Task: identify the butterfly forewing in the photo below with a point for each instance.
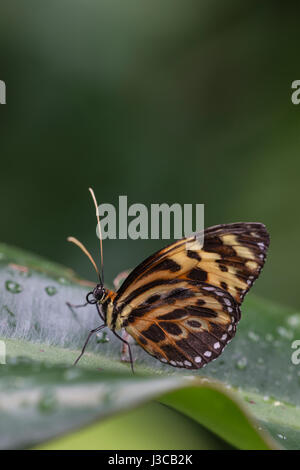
(182, 303)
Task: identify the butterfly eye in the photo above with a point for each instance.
(99, 292)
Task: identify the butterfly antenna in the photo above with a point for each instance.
(99, 229)
(86, 252)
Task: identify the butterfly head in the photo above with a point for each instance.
(96, 295)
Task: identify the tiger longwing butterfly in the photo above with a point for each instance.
(182, 304)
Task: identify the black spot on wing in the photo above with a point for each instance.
(170, 327)
(173, 353)
(152, 299)
(142, 340)
(223, 268)
(193, 254)
(180, 293)
(197, 274)
(200, 311)
(140, 290)
(154, 333)
(173, 315)
(194, 323)
(167, 264)
(189, 349)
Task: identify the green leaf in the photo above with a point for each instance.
(252, 388)
(150, 426)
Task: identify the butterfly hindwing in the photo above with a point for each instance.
(204, 284)
(186, 325)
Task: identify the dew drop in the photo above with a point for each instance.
(260, 360)
(269, 337)
(102, 337)
(281, 436)
(253, 336)
(63, 281)
(13, 287)
(294, 320)
(284, 333)
(51, 290)
(242, 363)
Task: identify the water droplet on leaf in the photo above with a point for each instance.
(269, 337)
(242, 363)
(284, 333)
(294, 320)
(51, 290)
(102, 337)
(253, 336)
(13, 287)
(63, 281)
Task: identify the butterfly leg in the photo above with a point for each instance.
(72, 306)
(100, 312)
(76, 306)
(129, 349)
(87, 340)
(124, 349)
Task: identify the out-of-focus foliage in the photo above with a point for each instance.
(161, 101)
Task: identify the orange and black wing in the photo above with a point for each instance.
(185, 323)
(188, 277)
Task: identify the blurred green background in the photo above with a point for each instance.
(169, 101)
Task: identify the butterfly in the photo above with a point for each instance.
(182, 304)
